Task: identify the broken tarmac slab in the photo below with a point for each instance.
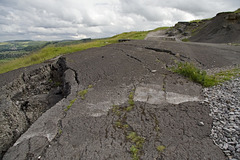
(90, 128)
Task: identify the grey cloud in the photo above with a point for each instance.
(66, 19)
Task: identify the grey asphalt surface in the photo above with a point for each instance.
(167, 110)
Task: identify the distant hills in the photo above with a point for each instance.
(18, 48)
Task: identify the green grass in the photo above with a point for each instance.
(137, 146)
(60, 131)
(52, 51)
(137, 140)
(227, 75)
(70, 105)
(160, 28)
(131, 102)
(118, 124)
(135, 152)
(190, 71)
(83, 93)
(116, 110)
(200, 20)
(2, 61)
(185, 40)
(200, 76)
(161, 148)
(237, 11)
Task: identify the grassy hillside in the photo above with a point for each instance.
(55, 49)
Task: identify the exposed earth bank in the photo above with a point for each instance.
(115, 102)
(223, 28)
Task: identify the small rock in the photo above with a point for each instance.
(238, 146)
(201, 124)
(225, 146)
(231, 148)
(153, 71)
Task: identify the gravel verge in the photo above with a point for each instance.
(224, 103)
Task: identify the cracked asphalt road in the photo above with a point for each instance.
(166, 112)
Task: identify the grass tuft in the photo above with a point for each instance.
(70, 105)
(185, 40)
(193, 73)
(161, 148)
(138, 140)
(83, 93)
(135, 152)
(131, 102)
(138, 144)
(200, 76)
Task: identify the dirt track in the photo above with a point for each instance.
(167, 110)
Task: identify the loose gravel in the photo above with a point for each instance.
(224, 103)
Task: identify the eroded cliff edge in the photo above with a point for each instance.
(25, 99)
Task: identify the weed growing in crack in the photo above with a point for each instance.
(125, 126)
(136, 140)
(129, 108)
(195, 74)
(119, 124)
(60, 131)
(185, 40)
(84, 92)
(135, 152)
(138, 144)
(161, 148)
(116, 110)
(70, 105)
(90, 86)
(130, 102)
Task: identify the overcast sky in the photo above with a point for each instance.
(77, 19)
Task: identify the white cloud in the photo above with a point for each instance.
(73, 19)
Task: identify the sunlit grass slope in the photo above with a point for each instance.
(52, 51)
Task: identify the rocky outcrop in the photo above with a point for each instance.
(26, 98)
(183, 30)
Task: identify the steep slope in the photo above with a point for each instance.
(223, 28)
